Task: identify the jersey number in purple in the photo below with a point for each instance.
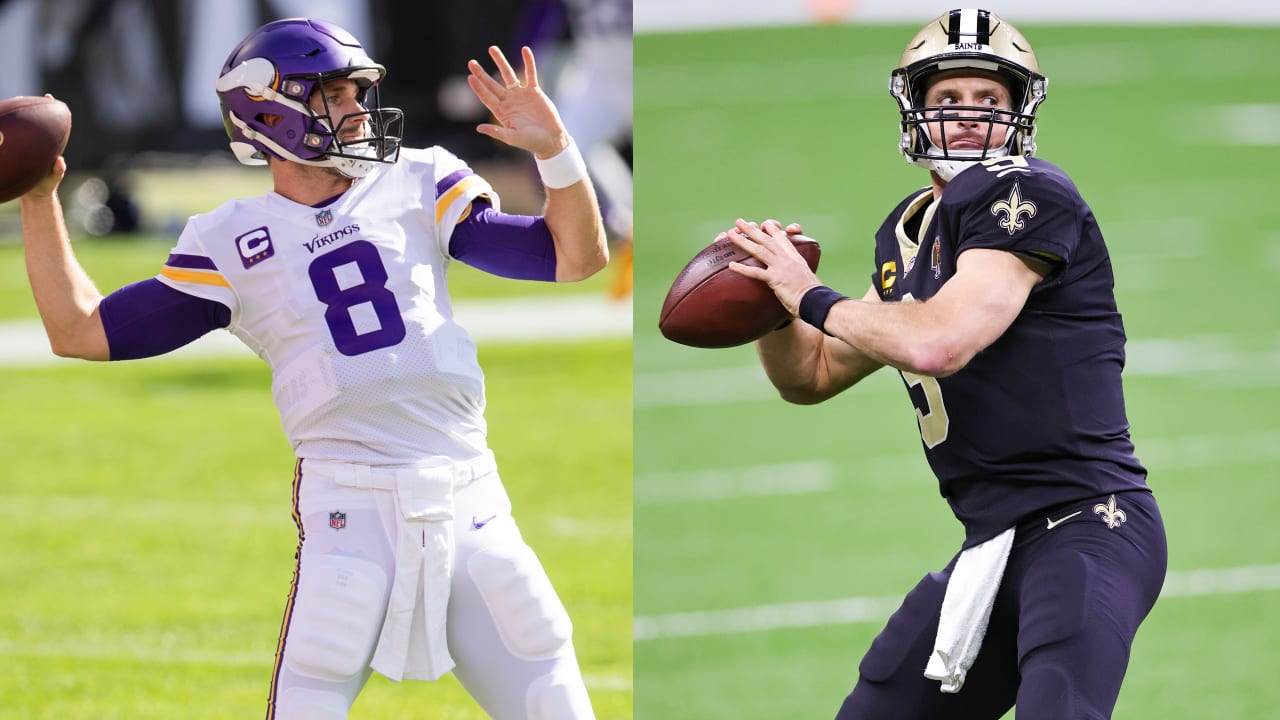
(344, 302)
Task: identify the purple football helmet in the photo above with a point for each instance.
(265, 89)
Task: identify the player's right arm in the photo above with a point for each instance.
(808, 366)
(65, 296)
(141, 320)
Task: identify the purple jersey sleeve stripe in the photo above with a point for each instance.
(150, 318)
(452, 179)
(511, 246)
(190, 262)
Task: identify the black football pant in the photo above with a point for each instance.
(1061, 628)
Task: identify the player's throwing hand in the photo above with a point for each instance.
(785, 270)
(527, 119)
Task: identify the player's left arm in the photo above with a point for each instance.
(527, 119)
(936, 337)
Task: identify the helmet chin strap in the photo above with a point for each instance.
(948, 164)
(354, 168)
(351, 167)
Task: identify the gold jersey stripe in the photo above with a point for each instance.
(200, 277)
(466, 183)
(909, 246)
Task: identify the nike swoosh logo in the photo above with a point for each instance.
(1055, 523)
(477, 524)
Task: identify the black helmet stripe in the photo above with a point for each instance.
(975, 24)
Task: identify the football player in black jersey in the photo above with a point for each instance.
(992, 296)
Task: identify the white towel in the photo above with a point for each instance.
(413, 644)
(966, 609)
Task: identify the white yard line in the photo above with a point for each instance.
(1158, 454)
(726, 385)
(1257, 447)
(722, 484)
(514, 320)
(764, 618)
(1230, 360)
(1253, 124)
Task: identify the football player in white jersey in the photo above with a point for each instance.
(409, 562)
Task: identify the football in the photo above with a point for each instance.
(711, 306)
(33, 133)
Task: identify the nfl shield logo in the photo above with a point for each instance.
(337, 520)
(324, 217)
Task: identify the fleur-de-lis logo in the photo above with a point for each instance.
(1110, 515)
(1013, 208)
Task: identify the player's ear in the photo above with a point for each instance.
(270, 119)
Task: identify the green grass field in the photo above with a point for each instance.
(745, 502)
(148, 510)
(148, 503)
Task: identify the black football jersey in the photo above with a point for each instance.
(1037, 419)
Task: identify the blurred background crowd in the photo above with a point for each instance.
(139, 76)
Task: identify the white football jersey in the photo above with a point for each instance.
(349, 306)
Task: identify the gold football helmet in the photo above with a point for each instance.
(967, 39)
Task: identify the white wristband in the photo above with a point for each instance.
(563, 169)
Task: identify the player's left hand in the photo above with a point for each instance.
(785, 271)
(527, 119)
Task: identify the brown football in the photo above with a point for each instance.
(711, 306)
(33, 133)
